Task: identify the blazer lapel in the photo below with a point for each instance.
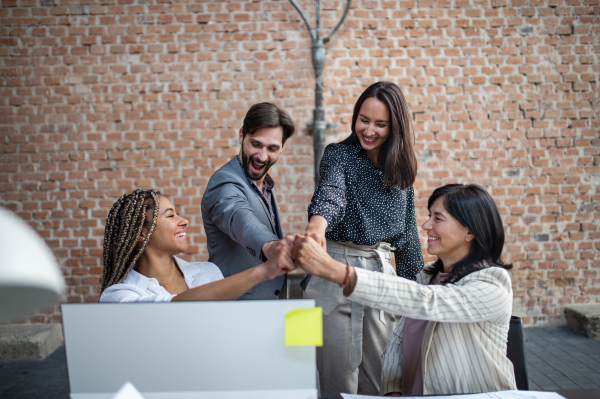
(235, 164)
(276, 211)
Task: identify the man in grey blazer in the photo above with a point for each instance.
(239, 208)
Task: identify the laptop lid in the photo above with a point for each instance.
(186, 348)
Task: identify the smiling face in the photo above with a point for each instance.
(169, 236)
(373, 126)
(260, 151)
(446, 237)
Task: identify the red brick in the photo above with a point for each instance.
(154, 96)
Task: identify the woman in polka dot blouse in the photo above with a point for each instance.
(361, 212)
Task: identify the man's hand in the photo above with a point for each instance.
(271, 247)
(280, 263)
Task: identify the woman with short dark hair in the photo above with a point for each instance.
(476, 210)
(363, 211)
(452, 336)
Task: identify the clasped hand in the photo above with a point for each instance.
(297, 250)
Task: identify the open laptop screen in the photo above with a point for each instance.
(185, 347)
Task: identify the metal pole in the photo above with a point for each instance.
(319, 125)
(318, 59)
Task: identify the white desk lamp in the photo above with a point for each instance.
(29, 276)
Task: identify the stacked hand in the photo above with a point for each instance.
(309, 255)
(314, 259)
(295, 251)
(279, 258)
(307, 251)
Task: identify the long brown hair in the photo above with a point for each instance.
(396, 156)
(123, 227)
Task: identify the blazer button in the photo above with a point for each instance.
(277, 292)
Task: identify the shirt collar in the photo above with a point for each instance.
(138, 279)
(268, 183)
(359, 151)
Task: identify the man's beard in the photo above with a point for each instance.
(246, 164)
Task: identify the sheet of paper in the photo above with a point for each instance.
(487, 395)
(304, 327)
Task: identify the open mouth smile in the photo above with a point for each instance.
(257, 165)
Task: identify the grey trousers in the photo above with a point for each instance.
(354, 336)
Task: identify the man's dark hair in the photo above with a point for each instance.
(476, 210)
(396, 156)
(267, 115)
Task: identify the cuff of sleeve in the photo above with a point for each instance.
(361, 287)
(153, 298)
(164, 298)
(330, 219)
(395, 387)
(256, 244)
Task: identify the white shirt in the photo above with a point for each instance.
(138, 288)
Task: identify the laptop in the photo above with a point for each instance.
(184, 350)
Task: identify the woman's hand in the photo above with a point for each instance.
(312, 257)
(316, 230)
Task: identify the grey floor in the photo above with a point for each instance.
(45, 379)
(557, 359)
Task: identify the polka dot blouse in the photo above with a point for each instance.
(359, 208)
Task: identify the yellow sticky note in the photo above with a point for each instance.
(304, 327)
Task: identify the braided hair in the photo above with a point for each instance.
(123, 227)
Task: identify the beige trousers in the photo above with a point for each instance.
(354, 336)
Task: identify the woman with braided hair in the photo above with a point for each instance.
(143, 233)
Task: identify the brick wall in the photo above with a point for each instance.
(101, 97)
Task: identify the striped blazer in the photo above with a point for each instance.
(464, 345)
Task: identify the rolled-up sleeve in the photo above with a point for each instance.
(329, 199)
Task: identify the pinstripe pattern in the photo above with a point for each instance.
(464, 345)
